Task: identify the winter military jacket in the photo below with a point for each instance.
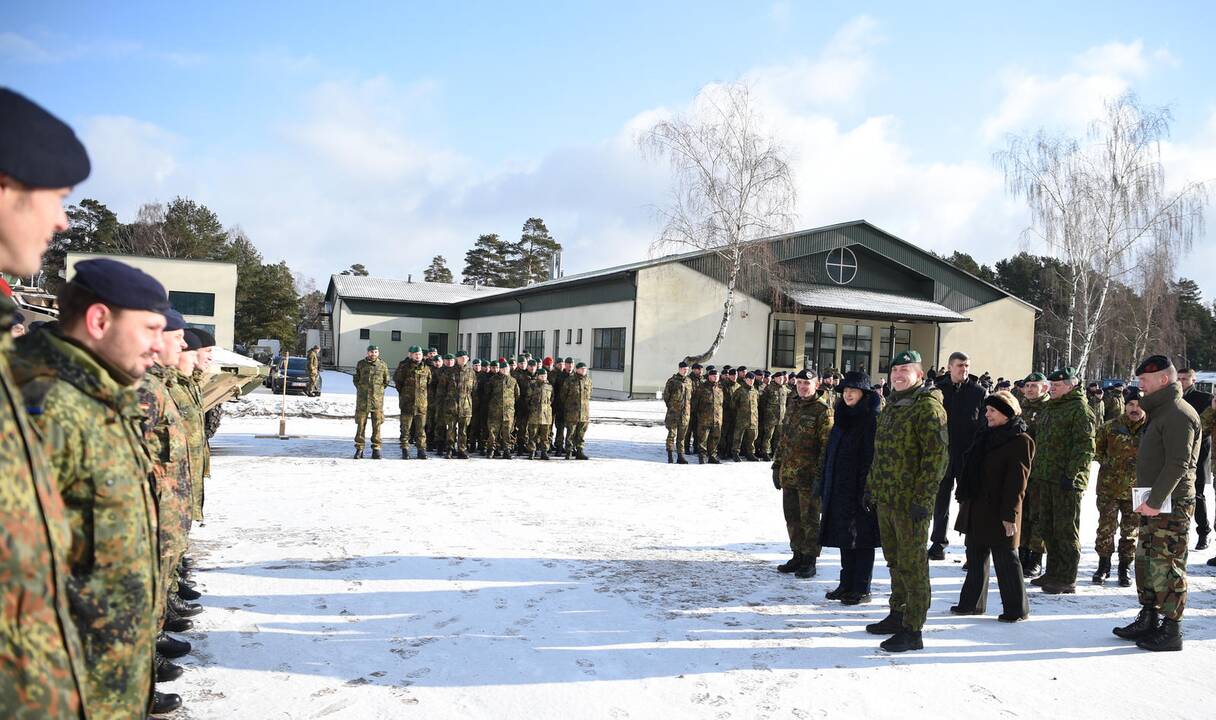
(91, 425)
(1208, 420)
(804, 439)
(745, 407)
(1065, 441)
(1095, 406)
(411, 379)
(576, 399)
(540, 403)
(41, 660)
(678, 396)
(190, 404)
(1112, 404)
(911, 449)
(167, 437)
(461, 381)
(314, 362)
(501, 393)
(1031, 410)
(1169, 447)
(964, 405)
(371, 377)
(557, 379)
(708, 402)
(1115, 449)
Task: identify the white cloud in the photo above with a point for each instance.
(22, 49)
(836, 76)
(133, 162)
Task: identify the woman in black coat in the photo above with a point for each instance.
(990, 492)
(849, 521)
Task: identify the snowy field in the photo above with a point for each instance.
(620, 587)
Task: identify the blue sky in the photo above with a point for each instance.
(387, 133)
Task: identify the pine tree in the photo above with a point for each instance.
(530, 259)
(357, 269)
(485, 263)
(438, 271)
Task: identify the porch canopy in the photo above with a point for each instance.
(854, 302)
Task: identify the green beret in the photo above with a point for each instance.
(905, 358)
(414, 349)
(476, 361)
(502, 364)
(580, 365)
(372, 347)
(1035, 377)
(521, 358)
(1066, 373)
(449, 356)
(461, 353)
(434, 350)
(568, 360)
(542, 371)
(531, 362)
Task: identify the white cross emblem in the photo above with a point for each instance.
(841, 265)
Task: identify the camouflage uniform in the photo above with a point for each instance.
(41, 670)
(799, 467)
(772, 412)
(1115, 450)
(501, 395)
(557, 378)
(92, 427)
(677, 394)
(1112, 404)
(314, 371)
(576, 408)
(708, 404)
(189, 398)
(1065, 446)
(477, 428)
(911, 451)
(690, 437)
(728, 414)
(457, 383)
(1032, 503)
(745, 412)
(432, 429)
(540, 415)
(519, 430)
(371, 377)
(411, 379)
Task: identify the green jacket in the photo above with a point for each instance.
(772, 404)
(501, 393)
(92, 427)
(804, 438)
(576, 399)
(708, 403)
(1112, 404)
(190, 404)
(1115, 448)
(911, 449)
(371, 377)
(1169, 448)
(1064, 437)
(540, 403)
(677, 394)
(167, 437)
(745, 407)
(1031, 410)
(411, 379)
(314, 362)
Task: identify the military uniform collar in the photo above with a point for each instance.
(1166, 395)
(80, 368)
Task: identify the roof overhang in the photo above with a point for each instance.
(855, 302)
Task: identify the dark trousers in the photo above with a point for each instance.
(1202, 475)
(856, 570)
(941, 510)
(1008, 579)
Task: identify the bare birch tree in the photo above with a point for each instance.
(1100, 205)
(732, 185)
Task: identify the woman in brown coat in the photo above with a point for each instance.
(990, 492)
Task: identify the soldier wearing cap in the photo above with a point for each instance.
(576, 406)
(797, 470)
(475, 400)
(677, 395)
(371, 377)
(1115, 448)
(911, 450)
(729, 380)
(561, 431)
(42, 670)
(1065, 447)
(1035, 391)
(411, 378)
(1112, 402)
(501, 396)
(460, 382)
(772, 413)
(696, 376)
(708, 403)
(78, 380)
(434, 432)
(745, 412)
(1165, 469)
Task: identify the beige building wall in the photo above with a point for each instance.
(414, 331)
(679, 310)
(197, 276)
(999, 339)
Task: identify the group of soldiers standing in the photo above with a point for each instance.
(496, 408)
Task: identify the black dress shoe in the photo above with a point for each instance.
(171, 647)
(855, 598)
(164, 703)
(937, 551)
(957, 610)
(178, 624)
(187, 592)
(167, 671)
(184, 609)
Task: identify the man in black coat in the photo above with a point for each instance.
(964, 401)
(1201, 401)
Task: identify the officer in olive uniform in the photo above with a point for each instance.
(696, 377)
(708, 404)
(558, 378)
(371, 377)
(1112, 402)
(729, 383)
(458, 398)
(772, 412)
(501, 399)
(677, 395)
(1115, 449)
(411, 378)
(797, 470)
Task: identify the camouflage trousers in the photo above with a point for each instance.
(766, 440)
(708, 437)
(377, 417)
(498, 433)
(457, 433)
(1115, 514)
(312, 384)
(904, 546)
(1032, 503)
(743, 439)
(801, 508)
(677, 434)
(412, 424)
(173, 529)
(1060, 527)
(1161, 560)
(538, 437)
(578, 431)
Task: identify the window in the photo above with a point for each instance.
(534, 342)
(856, 342)
(557, 343)
(886, 349)
(783, 343)
(580, 337)
(569, 336)
(192, 303)
(365, 334)
(396, 336)
(819, 346)
(506, 344)
(439, 341)
(484, 350)
(608, 348)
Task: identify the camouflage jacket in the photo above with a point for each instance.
(1064, 440)
(772, 404)
(1095, 406)
(92, 427)
(455, 391)
(41, 660)
(708, 404)
(314, 362)
(1115, 449)
(1112, 405)
(804, 437)
(189, 400)
(576, 399)
(411, 379)
(540, 403)
(745, 407)
(501, 393)
(911, 449)
(1031, 410)
(167, 438)
(677, 393)
(371, 377)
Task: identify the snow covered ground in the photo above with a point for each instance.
(620, 587)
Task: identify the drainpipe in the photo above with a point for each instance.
(768, 338)
(519, 330)
(633, 336)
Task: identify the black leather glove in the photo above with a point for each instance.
(867, 500)
(776, 476)
(919, 513)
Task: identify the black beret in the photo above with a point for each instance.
(1132, 393)
(767, 374)
(174, 320)
(750, 375)
(204, 337)
(121, 285)
(697, 366)
(1153, 363)
(741, 368)
(804, 375)
(710, 368)
(36, 147)
(193, 342)
(711, 371)
(683, 364)
(731, 371)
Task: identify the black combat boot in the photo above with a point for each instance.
(375, 453)
(937, 551)
(170, 646)
(506, 455)
(182, 608)
(421, 453)
(670, 457)
(853, 597)
(903, 641)
(1033, 567)
(891, 624)
(835, 594)
(1167, 637)
(806, 569)
(701, 458)
(791, 565)
(1125, 577)
(167, 671)
(462, 455)
(750, 457)
(405, 453)
(359, 454)
(713, 460)
(1201, 542)
(569, 453)
(544, 455)
(1051, 587)
(1144, 625)
(733, 457)
(681, 460)
(186, 592)
(580, 455)
(763, 457)
(532, 455)
(1103, 570)
(164, 703)
(177, 624)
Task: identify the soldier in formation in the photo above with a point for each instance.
(371, 377)
(412, 378)
(707, 409)
(540, 416)
(677, 395)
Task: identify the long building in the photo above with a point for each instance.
(850, 296)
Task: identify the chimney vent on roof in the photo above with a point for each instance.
(409, 278)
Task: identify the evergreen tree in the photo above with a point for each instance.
(1197, 324)
(438, 271)
(92, 227)
(530, 259)
(486, 263)
(356, 269)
